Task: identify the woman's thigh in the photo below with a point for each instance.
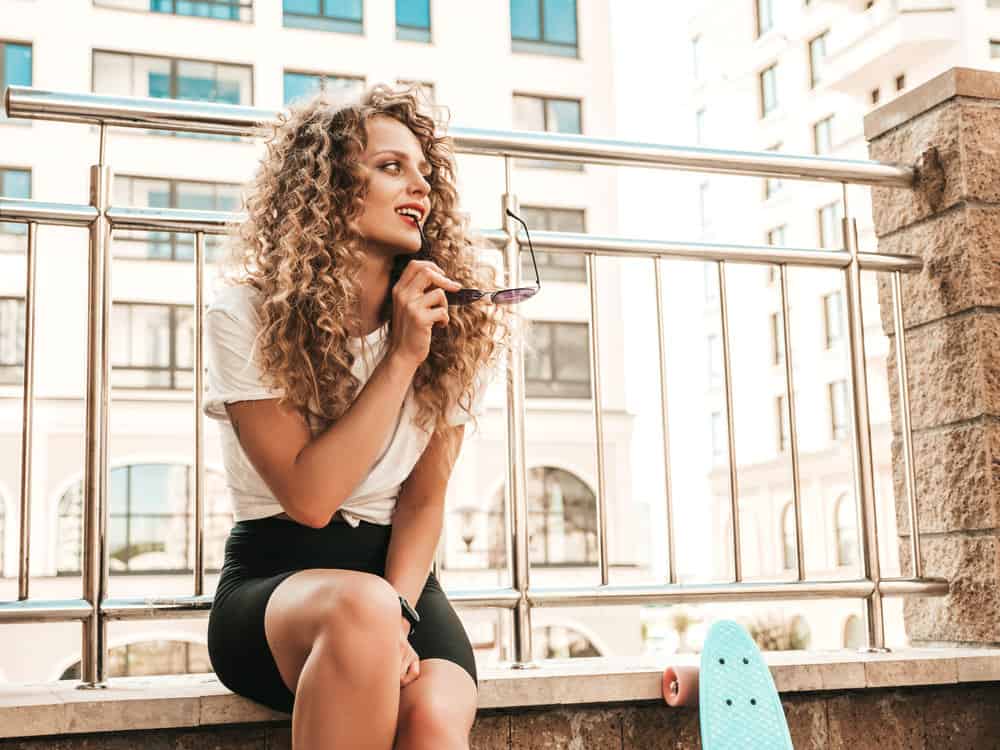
(314, 602)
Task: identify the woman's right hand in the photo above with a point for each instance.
(418, 304)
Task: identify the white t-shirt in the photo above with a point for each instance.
(231, 329)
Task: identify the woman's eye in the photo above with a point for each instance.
(393, 164)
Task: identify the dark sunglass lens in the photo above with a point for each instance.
(463, 296)
(513, 296)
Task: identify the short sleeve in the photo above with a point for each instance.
(230, 356)
(458, 414)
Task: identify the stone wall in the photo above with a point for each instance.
(950, 129)
(961, 716)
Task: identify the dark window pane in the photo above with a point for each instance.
(560, 21)
(525, 19)
(416, 13)
(17, 65)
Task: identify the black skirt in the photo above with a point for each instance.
(262, 553)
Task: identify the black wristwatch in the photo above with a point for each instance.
(409, 613)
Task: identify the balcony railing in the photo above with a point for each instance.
(94, 610)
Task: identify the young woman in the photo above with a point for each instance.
(345, 380)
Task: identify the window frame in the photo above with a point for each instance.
(772, 268)
(789, 551)
(762, 89)
(837, 208)
(21, 314)
(838, 431)
(540, 45)
(578, 275)
(418, 32)
(173, 71)
(6, 226)
(238, 4)
(821, 125)
(3, 69)
(172, 237)
(333, 24)
(777, 338)
(832, 340)
(758, 14)
(815, 72)
(844, 557)
(363, 80)
(534, 382)
(172, 368)
(541, 163)
(783, 426)
(773, 185)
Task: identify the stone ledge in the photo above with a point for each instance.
(134, 703)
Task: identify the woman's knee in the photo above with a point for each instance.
(365, 601)
(433, 721)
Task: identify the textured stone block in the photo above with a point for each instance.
(893, 208)
(807, 721)
(659, 727)
(883, 720)
(577, 728)
(960, 720)
(971, 611)
(957, 471)
(954, 370)
(961, 253)
(490, 732)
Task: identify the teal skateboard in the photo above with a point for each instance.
(738, 704)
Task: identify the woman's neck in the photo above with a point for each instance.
(374, 279)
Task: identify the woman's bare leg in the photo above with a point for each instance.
(335, 638)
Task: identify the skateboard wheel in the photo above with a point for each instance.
(680, 686)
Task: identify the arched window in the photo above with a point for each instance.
(151, 521)
(560, 642)
(854, 633)
(562, 520)
(788, 551)
(151, 658)
(799, 632)
(846, 535)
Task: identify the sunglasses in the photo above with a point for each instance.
(500, 296)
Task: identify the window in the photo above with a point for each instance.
(765, 16)
(557, 364)
(720, 438)
(151, 192)
(854, 633)
(817, 57)
(781, 414)
(900, 82)
(14, 183)
(830, 234)
(823, 136)
(562, 520)
(12, 340)
(699, 126)
(846, 536)
(833, 318)
(715, 364)
(994, 48)
(703, 208)
(875, 95)
(305, 85)
(554, 266)
(777, 339)
(775, 237)
(772, 184)
(152, 346)
(426, 90)
(548, 115)
(152, 658)
(151, 522)
(558, 642)
(170, 78)
(837, 391)
(696, 61)
(789, 554)
(15, 67)
(768, 90)
(413, 20)
(545, 27)
(228, 10)
(993, 3)
(344, 16)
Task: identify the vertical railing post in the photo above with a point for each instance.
(727, 372)
(199, 423)
(665, 417)
(595, 377)
(861, 443)
(27, 409)
(96, 436)
(516, 471)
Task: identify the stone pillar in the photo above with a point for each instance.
(949, 128)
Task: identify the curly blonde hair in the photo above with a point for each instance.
(296, 248)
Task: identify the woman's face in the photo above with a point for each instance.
(398, 184)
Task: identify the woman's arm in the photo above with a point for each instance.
(416, 524)
(311, 478)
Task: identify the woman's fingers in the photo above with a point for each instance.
(418, 276)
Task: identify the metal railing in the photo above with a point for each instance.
(100, 217)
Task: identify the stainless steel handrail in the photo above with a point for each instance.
(95, 610)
